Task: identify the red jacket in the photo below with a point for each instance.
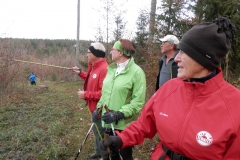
(93, 81)
(200, 121)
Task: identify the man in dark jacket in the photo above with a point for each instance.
(167, 66)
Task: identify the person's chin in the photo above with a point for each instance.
(180, 75)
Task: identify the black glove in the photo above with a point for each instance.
(113, 142)
(95, 116)
(112, 116)
(103, 150)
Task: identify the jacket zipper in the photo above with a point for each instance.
(187, 116)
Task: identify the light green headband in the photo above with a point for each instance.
(118, 45)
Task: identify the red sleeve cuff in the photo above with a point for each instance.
(123, 138)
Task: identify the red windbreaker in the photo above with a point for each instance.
(200, 121)
(93, 81)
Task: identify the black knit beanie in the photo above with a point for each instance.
(208, 43)
(97, 52)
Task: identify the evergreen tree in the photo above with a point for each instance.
(175, 17)
(120, 27)
(142, 33)
(141, 37)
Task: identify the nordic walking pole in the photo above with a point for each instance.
(107, 110)
(84, 140)
(106, 135)
(49, 65)
(100, 109)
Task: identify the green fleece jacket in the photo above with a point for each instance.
(125, 93)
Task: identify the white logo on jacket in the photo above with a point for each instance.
(163, 114)
(94, 76)
(204, 138)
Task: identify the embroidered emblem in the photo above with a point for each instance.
(94, 76)
(204, 138)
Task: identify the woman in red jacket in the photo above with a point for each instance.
(92, 87)
(197, 114)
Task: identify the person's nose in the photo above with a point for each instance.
(177, 58)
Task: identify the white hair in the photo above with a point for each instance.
(98, 46)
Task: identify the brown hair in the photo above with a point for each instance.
(128, 46)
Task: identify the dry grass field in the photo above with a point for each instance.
(49, 122)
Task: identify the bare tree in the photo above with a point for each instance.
(109, 10)
(152, 20)
(152, 24)
(99, 35)
(78, 27)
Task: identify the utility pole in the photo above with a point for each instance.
(78, 27)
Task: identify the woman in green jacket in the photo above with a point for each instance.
(123, 93)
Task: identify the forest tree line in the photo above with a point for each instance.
(172, 17)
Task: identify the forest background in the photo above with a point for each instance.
(173, 17)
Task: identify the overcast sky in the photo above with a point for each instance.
(57, 19)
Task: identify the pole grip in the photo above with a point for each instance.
(106, 136)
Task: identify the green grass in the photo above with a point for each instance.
(49, 125)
